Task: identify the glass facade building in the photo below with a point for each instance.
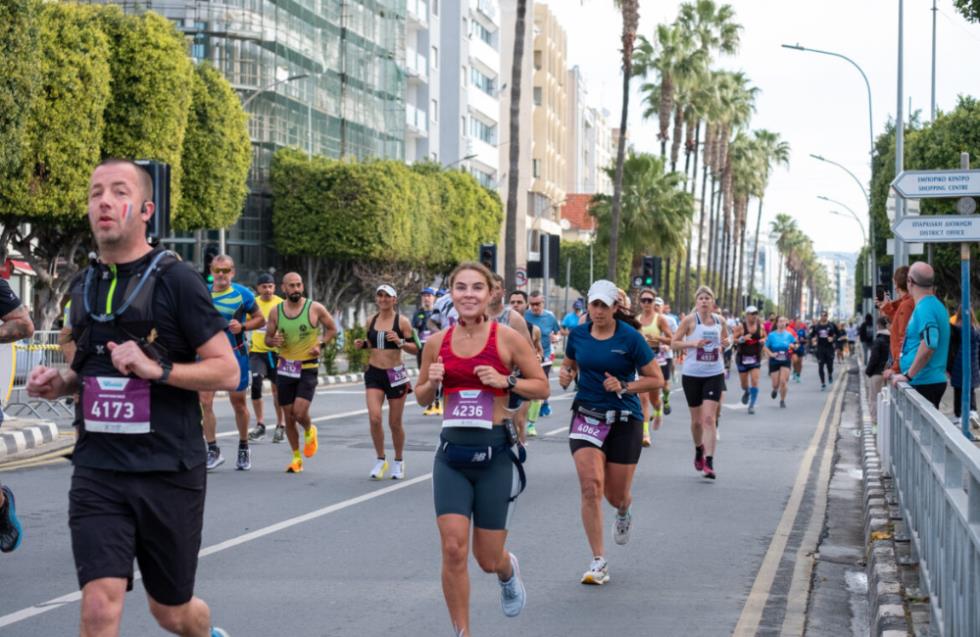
(324, 76)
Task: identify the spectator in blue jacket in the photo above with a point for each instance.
(954, 365)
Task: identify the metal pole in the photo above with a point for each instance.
(591, 260)
(545, 269)
(309, 121)
(932, 110)
(966, 325)
(221, 241)
(568, 281)
(901, 258)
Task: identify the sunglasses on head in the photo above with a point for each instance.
(221, 270)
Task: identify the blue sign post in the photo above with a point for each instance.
(966, 316)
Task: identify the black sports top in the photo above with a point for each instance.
(376, 339)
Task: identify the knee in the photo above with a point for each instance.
(100, 608)
(487, 563)
(169, 618)
(454, 553)
(374, 420)
(591, 490)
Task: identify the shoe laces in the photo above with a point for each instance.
(598, 564)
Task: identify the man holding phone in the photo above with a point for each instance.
(898, 311)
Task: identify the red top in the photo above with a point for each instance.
(459, 372)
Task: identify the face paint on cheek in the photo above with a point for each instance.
(127, 211)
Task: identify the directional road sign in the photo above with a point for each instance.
(939, 228)
(934, 184)
(911, 206)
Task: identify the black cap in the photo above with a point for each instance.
(265, 277)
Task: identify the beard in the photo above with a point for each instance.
(295, 297)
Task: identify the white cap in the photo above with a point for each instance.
(605, 291)
(751, 310)
(658, 301)
(387, 289)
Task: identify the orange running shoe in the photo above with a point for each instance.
(296, 466)
(310, 442)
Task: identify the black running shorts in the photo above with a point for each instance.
(377, 378)
(698, 389)
(154, 517)
(622, 446)
(262, 366)
(290, 389)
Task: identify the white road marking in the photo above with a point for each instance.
(58, 602)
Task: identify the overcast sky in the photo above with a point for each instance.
(817, 103)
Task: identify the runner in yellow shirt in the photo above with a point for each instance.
(263, 360)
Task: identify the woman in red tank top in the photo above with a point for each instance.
(473, 362)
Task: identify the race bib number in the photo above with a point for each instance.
(397, 376)
(708, 354)
(469, 408)
(591, 430)
(661, 356)
(289, 369)
(780, 356)
(424, 335)
(749, 360)
(115, 405)
(822, 333)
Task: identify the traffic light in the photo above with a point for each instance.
(652, 271)
(488, 255)
(210, 252)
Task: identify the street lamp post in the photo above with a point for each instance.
(868, 266)
(461, 160)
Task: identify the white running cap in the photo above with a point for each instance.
(658, 301)
(605, 291)
(387, 289)
(751, 310)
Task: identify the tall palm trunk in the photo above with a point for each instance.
(510, 231)
(678, 137)
(694, 186)
(755, 252)
(741, 262)
(666, 280)
(701, 229)
(779, 282)
(712, 234)
(631, 19)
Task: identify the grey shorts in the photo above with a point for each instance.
(486, 495)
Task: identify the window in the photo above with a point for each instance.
(537, 60)
(483, 33)
(435, 57)
(483, 131)
(486, 179)
(537, 96)
(535, 168)
(482, 82)
(435, 110)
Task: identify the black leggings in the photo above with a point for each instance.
(958, 400)
(825, 358)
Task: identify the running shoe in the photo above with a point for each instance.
(666, 397)
(11, 532)
(751, 409)
(379, 469)
(823, 386)
(745, 397)
(244, 462)
(709, 470)
(279, 435)
(532, 432)
(699, 458)
(772, 394)
(296, 466)
(218, 632)
(830, 378)
(782, 404)
(658, 419)
(438, 408)
(621, 527)
(215, 459)
(310, 442)
(430, 410)
(513, 596)
(545, 409)
(258, 433)
(598, 573)
(646, 433)
(398, 470)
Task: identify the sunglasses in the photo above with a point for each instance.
(646, 299)
(221, 270)
(535, 304)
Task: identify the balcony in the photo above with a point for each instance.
(418, 12)
(416, 66)
(416, 120)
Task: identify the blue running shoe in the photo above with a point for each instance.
(545, 409)
(10, 530)
(513, 596)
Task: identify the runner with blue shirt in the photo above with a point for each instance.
(779, 347)
(545, 321)
(606, 431)
(237, 306)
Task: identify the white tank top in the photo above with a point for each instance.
(706, 361)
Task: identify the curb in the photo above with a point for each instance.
(24, 438)
(888, 614)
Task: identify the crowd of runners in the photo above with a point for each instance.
(152, 344)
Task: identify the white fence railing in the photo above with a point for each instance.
(41, 349)
(937, 478)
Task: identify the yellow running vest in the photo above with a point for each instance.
(258, 336)
(299, 336)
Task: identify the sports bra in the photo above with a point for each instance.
(459, 373)
(376, 339)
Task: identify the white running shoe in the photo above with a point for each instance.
(398, 470)
(598, 573)
(513, 596)
(621, 527)
(379, 469)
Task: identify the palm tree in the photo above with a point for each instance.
(782, 228)
(631, 21)
(775, 153)
(746, 159)
(510, 230)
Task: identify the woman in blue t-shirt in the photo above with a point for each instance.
(779, 345)
(606, 431)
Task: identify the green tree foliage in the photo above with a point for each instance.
(578, 252)
(152, 76)
(969, 8)
(379, 211)
(216, 156)
(18, 71)
(65, 126)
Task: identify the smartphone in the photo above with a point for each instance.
(880, 292)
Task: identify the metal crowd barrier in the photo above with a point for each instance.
(937, 477)
(41, 349)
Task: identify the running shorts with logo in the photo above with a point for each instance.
(290, 388)
(262, 365)
(487, 492)
(622, 444)
(698, 389)
(377, 378)
(156, 516)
